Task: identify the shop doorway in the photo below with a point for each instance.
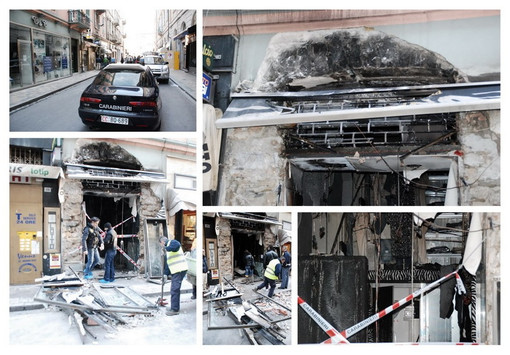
(74, 58)
(251, 241)
(116, 210)
(25, 62)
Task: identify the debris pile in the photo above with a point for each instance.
(261, 319)
(90, 305)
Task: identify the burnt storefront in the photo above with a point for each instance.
(228, 235)
(357, 116)
(106, 181)
(401, 277)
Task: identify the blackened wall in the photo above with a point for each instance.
(337, 288)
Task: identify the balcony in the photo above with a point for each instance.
(78, 20)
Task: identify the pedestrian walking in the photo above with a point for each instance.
(90, 242)
(178, 268)
(271, 274)
(286, 264)
(110, 243)
(98, 62)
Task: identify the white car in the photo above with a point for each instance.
(158, 66)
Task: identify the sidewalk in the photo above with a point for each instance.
(21, 297)
(17, 99)
(186, 81)
(31, 94)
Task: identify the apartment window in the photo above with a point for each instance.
(185, 182)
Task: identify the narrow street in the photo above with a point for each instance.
(59, 112)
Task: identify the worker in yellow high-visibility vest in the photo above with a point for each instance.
(273, 270)
(178, 267)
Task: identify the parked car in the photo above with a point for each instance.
(122, 96)
(158, 67)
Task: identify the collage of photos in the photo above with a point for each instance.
(338, 182)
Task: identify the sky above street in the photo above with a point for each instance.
(140, 29)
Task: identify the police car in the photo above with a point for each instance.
(122, 96)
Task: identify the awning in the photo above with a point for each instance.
(259, 109)
(178, 200)
(91, 172)
(284, 237)
(37, 171)
(249, 217)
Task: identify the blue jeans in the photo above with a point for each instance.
(109, 269)
(92, 260)
(285, 277)
(248, 271)
(270, 283)
(175, 290)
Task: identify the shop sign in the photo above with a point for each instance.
(206, 86)
(40, 171)
(39, 21)
(55, 262)
(207, 56)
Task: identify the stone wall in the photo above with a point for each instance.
(253, 168)
(148, 207)
(479, 136)
(225, 248)
(72, 221)
(492, 276)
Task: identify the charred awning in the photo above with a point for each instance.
(287, 108)
(250, 217)
(91, 172)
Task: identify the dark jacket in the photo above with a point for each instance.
(91, 237)
(288, 259)
(268, 256)
(248, 259)
(109, 239)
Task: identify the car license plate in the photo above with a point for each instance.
(115, 120)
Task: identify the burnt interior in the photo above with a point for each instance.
(116, 210)
(246, 235)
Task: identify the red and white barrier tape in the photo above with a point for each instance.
(117, 247)
(324, 324)
(347, 333)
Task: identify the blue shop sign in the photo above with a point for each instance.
(206, 86)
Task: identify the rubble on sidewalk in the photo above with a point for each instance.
(91, 306)
(262, 320)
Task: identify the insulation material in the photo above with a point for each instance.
(452, 191)
(411, 174)
(473, 249)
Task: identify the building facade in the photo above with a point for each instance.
(58, 185)
(176, 38)
(227, 235)
(47, 45)
(301, 90)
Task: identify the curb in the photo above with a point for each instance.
(30, 101)
(27, 307)
(183, 90)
